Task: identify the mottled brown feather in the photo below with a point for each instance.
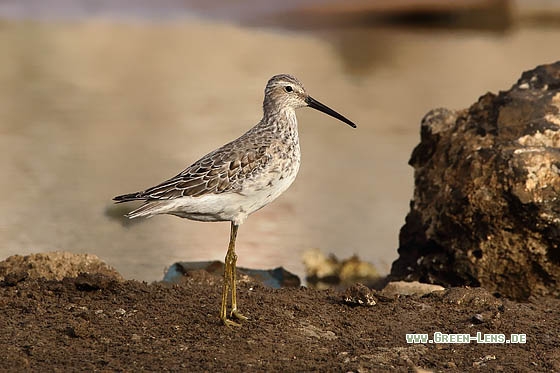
(223, 170)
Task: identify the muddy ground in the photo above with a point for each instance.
(95, 323)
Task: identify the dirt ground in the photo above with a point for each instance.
(95, 323)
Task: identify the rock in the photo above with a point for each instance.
(360, 295)
(354, 269)
(12, 278)
(409, 288)
(310, 330)
(135, 337)
(319, 266)
(483, 360)
(472, 297)
(93, 281)
(54, 266)
(486, 210)
(477, 318)
(275, 278)
(323, 271)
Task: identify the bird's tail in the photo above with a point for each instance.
(129, 197)
(147, 210)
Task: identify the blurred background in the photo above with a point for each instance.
(104, 97)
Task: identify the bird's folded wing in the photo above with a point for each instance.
(223, 170)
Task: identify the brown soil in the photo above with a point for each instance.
(94, 323)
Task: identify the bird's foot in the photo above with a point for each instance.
(238, 315)
(227, 322)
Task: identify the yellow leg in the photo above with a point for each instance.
(229, 282)
(234, 312)
(225, 291)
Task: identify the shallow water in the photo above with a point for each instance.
(90, 109)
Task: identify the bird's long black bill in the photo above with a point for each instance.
(311, 102)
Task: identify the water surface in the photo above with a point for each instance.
(94, 108)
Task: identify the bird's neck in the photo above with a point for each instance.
(281, 120)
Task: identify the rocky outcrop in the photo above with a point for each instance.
(53, 266)
(486, 207)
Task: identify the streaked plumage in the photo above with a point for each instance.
(244, 175)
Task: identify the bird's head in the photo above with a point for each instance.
(285, 91)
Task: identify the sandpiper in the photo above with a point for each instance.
(241, 177)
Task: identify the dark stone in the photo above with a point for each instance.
(275, 278)
(71, 332)
(12, 278)
(486, 210)
(93, 281)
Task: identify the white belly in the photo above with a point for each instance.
(233, 207)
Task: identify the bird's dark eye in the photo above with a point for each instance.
(289, 88)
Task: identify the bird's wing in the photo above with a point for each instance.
(223, 170)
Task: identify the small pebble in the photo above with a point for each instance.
(477, 319)
(135, 337)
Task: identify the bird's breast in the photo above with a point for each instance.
(271, 182)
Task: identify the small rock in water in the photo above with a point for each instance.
(275, 278)
(323, 271)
